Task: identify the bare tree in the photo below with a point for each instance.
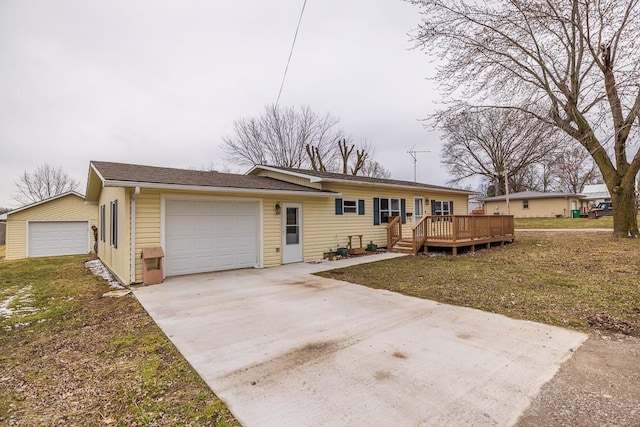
(374, 169)
(279, 137)
(489, 142)
(358, 162)
(45, 182)
(4, 210)
(572, 64)
(575, 169)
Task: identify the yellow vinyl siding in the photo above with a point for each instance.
(116, 259)
(323, 230)
(149, 229)
(538, 208)
(67, 208)
(147, 225)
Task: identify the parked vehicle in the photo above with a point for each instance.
(603, 209)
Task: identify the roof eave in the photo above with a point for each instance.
(213, 189)
(405, 187)
(50, 199)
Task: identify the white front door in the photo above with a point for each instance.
(291, 233)
(418, 208)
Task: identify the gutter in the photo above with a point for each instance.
(210, 189)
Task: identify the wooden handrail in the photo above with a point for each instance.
(419, 231)
(394, 231)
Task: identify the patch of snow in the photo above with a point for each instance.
(21, 295)
(97, 268)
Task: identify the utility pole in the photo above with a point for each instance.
(413, 153)
(506, 188)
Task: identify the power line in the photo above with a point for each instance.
(291, 52)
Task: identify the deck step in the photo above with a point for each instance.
(403, 246)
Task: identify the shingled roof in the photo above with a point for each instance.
(139, 174)
(358, 179)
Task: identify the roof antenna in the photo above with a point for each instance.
(413, 153)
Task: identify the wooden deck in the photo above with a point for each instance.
(451, 231)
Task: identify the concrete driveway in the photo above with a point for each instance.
(284, 348)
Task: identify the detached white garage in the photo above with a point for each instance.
(210, 235)
(53, 238)
(60, 225)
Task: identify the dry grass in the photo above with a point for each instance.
(603, 222)
(574, 223)
(71, 357)
(587, 282)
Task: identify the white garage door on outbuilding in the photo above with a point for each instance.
(206, 235)
(53, 238)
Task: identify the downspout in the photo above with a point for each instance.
(135, 194)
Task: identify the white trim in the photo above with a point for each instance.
(50, 199)
(29, 221)
(95, 169)
(211, 189)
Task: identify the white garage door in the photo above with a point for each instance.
(52, 238)
(206, 236)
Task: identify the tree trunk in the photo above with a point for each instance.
(625, 210)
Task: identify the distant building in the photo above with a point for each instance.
(595, 193)
(534, 204)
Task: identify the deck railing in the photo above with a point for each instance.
(394, 230)
(419, 234)
(455, 228)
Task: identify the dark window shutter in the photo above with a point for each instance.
(433, 208)
(360, 207)
(403, 210)
(338, 206)
(376, 211)
(451, 207)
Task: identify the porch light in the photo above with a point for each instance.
(277, 208)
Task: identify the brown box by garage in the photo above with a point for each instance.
(152, 269)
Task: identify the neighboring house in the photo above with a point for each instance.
(60, 225)
(534, 204)
(594, 194)
(475, 204)
(210, 221)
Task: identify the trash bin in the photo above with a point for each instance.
(152, 270)
(575, 213)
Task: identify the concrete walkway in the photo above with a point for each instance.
(284, 348)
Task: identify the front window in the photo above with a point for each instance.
(389, 208)
(442, 208)
(350, 207)
(525, 204)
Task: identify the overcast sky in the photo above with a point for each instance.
(161, 82)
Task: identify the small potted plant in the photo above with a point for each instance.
(342, 251)
(371, 247)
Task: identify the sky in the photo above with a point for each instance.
(161, 82)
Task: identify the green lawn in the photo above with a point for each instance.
(71, 357)
(587, 282)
